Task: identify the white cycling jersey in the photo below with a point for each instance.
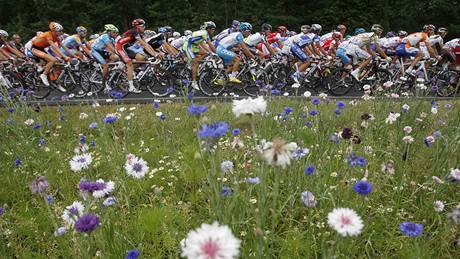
(452, 44)
(179, 42)
(254, 39)
(389, 43)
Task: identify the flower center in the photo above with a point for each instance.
(345, 220)
(137, 167)
(81, 160)
(210, 248)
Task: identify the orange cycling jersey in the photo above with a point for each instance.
(414, 39)
(41, 41)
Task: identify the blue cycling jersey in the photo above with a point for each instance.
(72, 42)
(102, 41)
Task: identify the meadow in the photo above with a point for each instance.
(395, 162)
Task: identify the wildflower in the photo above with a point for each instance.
(354, 160)
(29, 122)
(49, 199)
(411, 229)
(98, 189)
(346, 133)
(337, 112)
(405, 108)
(39, 185)
(279, 153)
(253, 180)
(392, 117)
(455, 174)
(37, 126)
(197, 110)
(249, 106)
(307, 94)
(434, 110)
(313, 112)
(136, 167)
(109, 201)
(388, 167)
(83, 116)
(345, 221)
(93, 125)
(362, 187)
(41, 142)
(156, 104)
(132, 254)
(110, 118)
(455, 215)
(408, 139)
(309, 170)
(308, 199)
(429, 141)
(80, 162)
(341, 105)
(407, 129)
(72, 212)
(275, 92)
(316, 101)
(2, 210)
(226, 191)
(214, 130)
(210, 241)
(226, 166)
(334, 138)
(60, 231)
(300, 152)
(437, 134)
(287, 110)
(17, 161)
(236, 132)
(87, 223)
(438, 206)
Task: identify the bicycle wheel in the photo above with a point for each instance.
(254, 84)
(37, 88)
(340, 84)
(447, 84)
(212, 82)
(119, 86)
(280, 78)
(160, 85)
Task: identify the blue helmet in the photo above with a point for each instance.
(245, 26)
(359, 31)
(161, 30)
(235, 24)
(391, 34)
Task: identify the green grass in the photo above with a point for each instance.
(155, 213)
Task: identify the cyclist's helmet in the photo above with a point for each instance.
(208, 25)
(81, 30)
(176, 34)
(266, 27)
(377, 28)
(305, 29)
(138, 22)
(429, 27)
(245, 26)
(161, 30)
(341, 27)
(54, 26)
(94, 36)
(235, 24)
(110, 28)
(359, 31)
(168, 28)
(390, 34)
(148, 33)
(402, 33)
(442, 30)
(187, 32)
(3, 33)
(282, 29)
(316, 28)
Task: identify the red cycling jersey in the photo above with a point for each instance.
(126, 40)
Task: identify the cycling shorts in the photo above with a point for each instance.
(225, 54)
(403, 51)
(100, 55)
(298, 52)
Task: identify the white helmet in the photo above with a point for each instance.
(54, 26)
(316, 27)
(187, 32)
(3, 33)
(176, 34)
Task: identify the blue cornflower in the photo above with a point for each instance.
(37, 126)
(437, 134)
(411, 229)
(18, 161)
(10, 109)
(156, 105)
(93, 125)
(190, 95)
(2, 210)
(41, 142)
(132, 254)
(226, 191)
(276, 92)
(87, 223)
(428, 141)
(62, 118)
(337, 112)
(340, 105)
(313, 112)
(236, 132)
(287, 110)
(362, 187)
(197, 110)
(309, 170)
(163, 117)
(110, 119)
(49, 199)
(354, 160)
(82, 139)
(92, 143)
(253, 180)
(448, 105)
(309, 124)
(316, 101)
(109, 201)
(300, 152)
(214, 130)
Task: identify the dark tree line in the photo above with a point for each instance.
(28, 16)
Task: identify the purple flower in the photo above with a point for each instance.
(17, 162)
(87, 186)
(197, 110)
(316, 101)
(37, 126)
(49, 199)
(162, 117)
(411, 229)
(236, 132)
(340, 105)
(214, 130)
(276, 92)
(132, 254)
(308, 199)
(190, 95)
(337, 112)
(87, 223)
(39, 185)
(82, 139)
(309, 124)
(110, 119)
(226, 191)
(309, 170)
(10, 110)
(2, 210)
(437, 134)
(92, 143)
(287, 110)
(93, 125)
(362, 187)
(253, 180)
(155, 104)
(313, 112)
(109, 201)
(354, 160)
(41, 142)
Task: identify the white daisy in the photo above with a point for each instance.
(106, 190)
(307, 94)
(73, 212)
(29, 122)
(83, 116)
(80, 162)
(278, 152)
(345, 221)
(308, 199)
(210, 242)
(226, 166)
(136, 167)
(455, 173)
(438, 206)
(392, 117)
(408, 139)
(249, 106)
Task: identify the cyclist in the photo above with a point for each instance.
(299, 47)
(258, 45)
(316, 47)
(6, 49)
(277, 39)
(197, 46)
(235, 27)
(389, 44)
(452, 51)
(410, 46)
(235, 40)
(127, 40)
(159, 41)
(72, 45)
(44, 40)
(177, 43)
(436, 41)
(103, 50)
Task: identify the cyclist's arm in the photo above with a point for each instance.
(68, 51)
(430, 49)
(211, 46)
(380, 50)
(57, 50)
(4, 55)
(170, 49)
(14, 50)
(320, 48)
(147, 47)
(246, 50)
(85, 49)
